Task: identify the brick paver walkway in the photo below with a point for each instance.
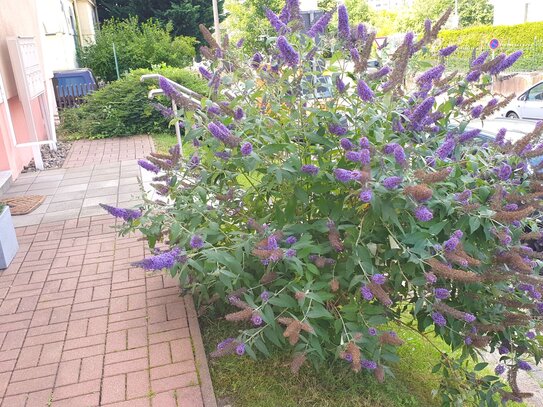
(79, 326)
(109, 150)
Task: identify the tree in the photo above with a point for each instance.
(470, 13)
(139, 45)
(248, 20)
(185, 15)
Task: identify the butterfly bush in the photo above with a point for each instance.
(322, 222)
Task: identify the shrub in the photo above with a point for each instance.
(325, 222)
(122, 108)
(525, 36)
(138, 45)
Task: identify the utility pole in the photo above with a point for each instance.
(456, 16)
(216, 21)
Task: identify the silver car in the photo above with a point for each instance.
(529, 105)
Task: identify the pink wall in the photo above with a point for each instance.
(11, 157)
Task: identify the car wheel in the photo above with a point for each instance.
(511, 115)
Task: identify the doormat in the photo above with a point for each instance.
(21, 205)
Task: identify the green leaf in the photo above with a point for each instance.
(318, 311)
(283, 300)
(474, 224)
(480, 366)
(261, 346)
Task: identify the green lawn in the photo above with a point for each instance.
(243, 382)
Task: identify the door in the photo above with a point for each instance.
(532, 105)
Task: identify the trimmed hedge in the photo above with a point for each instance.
(122, 107)
(527, 37)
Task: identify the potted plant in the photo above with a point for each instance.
(8, 238)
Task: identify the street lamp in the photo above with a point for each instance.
(216, 21)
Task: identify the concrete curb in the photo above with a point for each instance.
(206, 387)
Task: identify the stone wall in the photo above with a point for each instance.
(516, 84)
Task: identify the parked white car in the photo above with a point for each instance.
(529, 105)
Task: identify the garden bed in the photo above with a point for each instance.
(51, 158)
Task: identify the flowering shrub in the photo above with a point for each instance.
(327, 203)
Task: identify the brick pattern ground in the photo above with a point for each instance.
(80, 327)
(109, 150)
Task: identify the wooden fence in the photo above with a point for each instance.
(73, 95)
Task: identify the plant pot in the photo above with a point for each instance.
(8, 239)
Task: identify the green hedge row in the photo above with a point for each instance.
(527, 37)
(122, 108)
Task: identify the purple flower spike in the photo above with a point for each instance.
(476, 111)
(508, 62)
(337, 129)
(256, 320)
(385, 70)
(431, 75)
(366, 195)
(392, 182)
(420, 113)
(364, 91)
(196, 242)
(320, 25)
(353, 156)
(442, 293)
(240, 42)
(290, 253)
(389, 148)
(379, 279)
(423, 214)
(500, 369)
(431, 278)
(161, 261)
(469, 318)
(246, 148)
(446, 149)
(265, 296)
(343, 175)
(480, 59)
(240, 349)
(524, 365)
(365, 156)
(368, 364)
(399, 155)
(469, 135)
(343, 22)
(275, 22)
(287, 51)
(473, 76)
(364, 142)
(205, 73)
(346, 144)
(148, 166)
(257, 60)
(366, 293)
(445, 52)
(291, 240)
(340, 85)
(310, 169)
(504, 172)
(239, 114)
(125, 214)
(439, 319)
(372, 331)
(451, 244)
(530, 335)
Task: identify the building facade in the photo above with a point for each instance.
(389, 5)
(46, 36)
(507, 12)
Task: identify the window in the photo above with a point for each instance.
(536, 93)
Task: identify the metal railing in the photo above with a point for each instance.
(194, 97)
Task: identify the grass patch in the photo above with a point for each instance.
(163, 142)
(243, 382)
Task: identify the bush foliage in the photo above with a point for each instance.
(326, 204)
(138, 45)
(122, 108)
(522, 36)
